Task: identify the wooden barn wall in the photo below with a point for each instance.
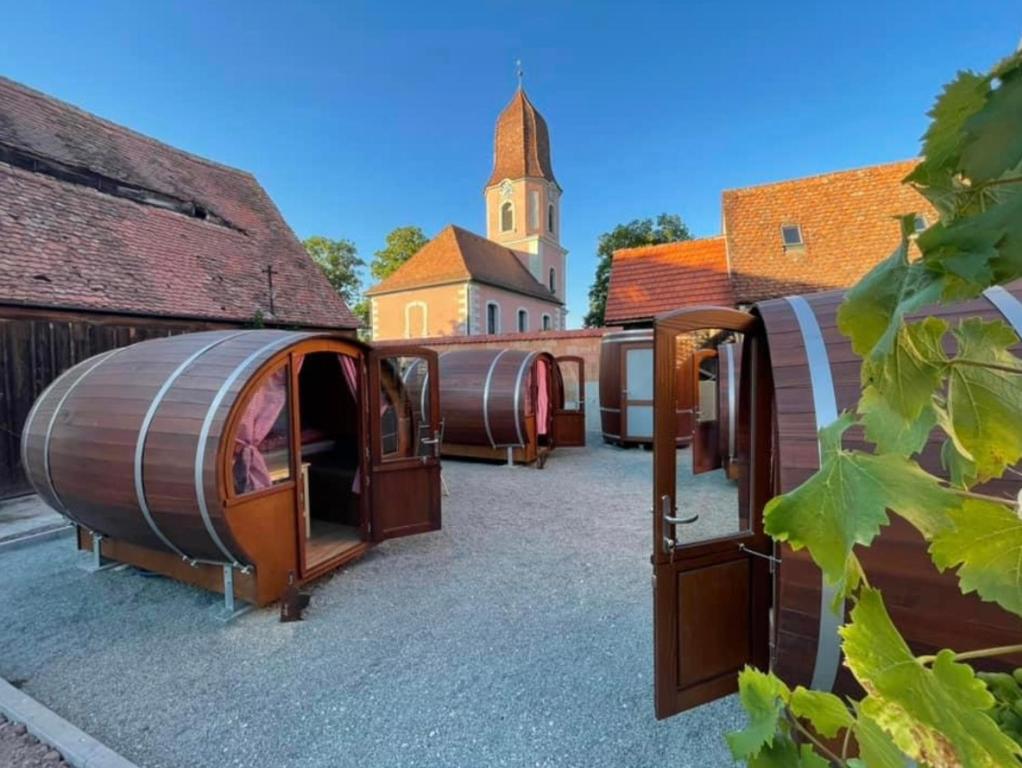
(37, 346)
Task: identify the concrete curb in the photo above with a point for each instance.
(77, 747)
(34, 537)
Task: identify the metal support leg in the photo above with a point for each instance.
(231, 610)
(96, 560)
(510, 456)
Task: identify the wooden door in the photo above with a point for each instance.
(404, 430)
(570, 416)
(706, 412)
(636, 392)
(711, 597)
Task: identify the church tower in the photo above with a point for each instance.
(523, 199)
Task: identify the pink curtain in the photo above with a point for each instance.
(350, 369)
(543, 398)
(255, 425)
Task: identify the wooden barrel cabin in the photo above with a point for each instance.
(724, 594)
(626, 390)
(510, 404)
(231, 459)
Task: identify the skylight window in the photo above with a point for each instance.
(791, 234)
(920, 222)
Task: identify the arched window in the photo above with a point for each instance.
(507, 217)
(492, 317)
(546, 322)
(523, 320)
(415, 320)
(552, 280)
(550, 218)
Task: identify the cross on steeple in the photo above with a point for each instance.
(520, 73)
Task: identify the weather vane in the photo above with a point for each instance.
(519, 71)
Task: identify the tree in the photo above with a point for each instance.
(921, 376)
(667, 228)
(402, 244)
(339, 261)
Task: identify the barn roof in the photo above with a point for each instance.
(521, 143)
(457, 255)
(847, 221)
(95, 216)
(651, 279)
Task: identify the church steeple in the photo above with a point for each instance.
(521, 143)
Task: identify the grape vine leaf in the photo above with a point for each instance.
(784, 753)
(876, 748)
(993, 135)
(873, 308)
(937, 716)
(888, 430)
(961, 468)
(763, 697)
(845, 503)
(824, 710)
(984, 406)
(909, 374)
(986, 546)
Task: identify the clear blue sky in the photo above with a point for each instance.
(360, 117)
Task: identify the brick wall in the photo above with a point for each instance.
(583, 343)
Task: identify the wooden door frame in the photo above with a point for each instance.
(623, 382)
(670, 698)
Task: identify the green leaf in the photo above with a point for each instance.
(936, 716)
(873, 308)
(907, 376)
(876, 748)
(888, 430)
(986, 546)
(961, 468)
(825, 711)
(985, 405)
(786, 754)
(993, 136)
(845, 503)
(763, 697)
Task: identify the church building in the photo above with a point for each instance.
(512, 280)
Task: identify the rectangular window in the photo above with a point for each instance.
(533, 209)
(791, 234)
(546, 322)
(523, 321)
(404, 408)
(492, 318)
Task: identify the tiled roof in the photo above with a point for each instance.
(95, 216)
(521, 144)
(651, 279)
(847, 220)
(457, 255)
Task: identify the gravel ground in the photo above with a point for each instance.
(519, 635)
(20, 749)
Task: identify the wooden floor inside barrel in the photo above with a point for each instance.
(328, 540)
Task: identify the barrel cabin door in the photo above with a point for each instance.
(404, 428)
(712, 578)
(570, 415)
(636, 392)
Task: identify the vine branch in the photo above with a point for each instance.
(983, 653)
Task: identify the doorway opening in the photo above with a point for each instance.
(329, 426)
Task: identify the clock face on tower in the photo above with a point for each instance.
(505, 189)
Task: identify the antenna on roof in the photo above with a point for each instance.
(519, 72)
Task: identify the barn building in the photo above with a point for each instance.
(108, 237)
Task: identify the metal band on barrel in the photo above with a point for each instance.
(518, 388)
(53, 420)
(486, 397)
(143, 435)
(207, 423)
(731, 398)
(1008, 305)
(828, 646)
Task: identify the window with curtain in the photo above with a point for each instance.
(262, 437)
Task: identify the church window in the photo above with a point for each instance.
(546, 322)
(507, 217)
(533, 210)
(552, 280)
(523, 321)
(492, 317)
(550, 218)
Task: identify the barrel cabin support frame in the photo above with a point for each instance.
(509, 404)
(725, 602)
(235, 460)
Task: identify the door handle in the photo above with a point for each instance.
(666, 508)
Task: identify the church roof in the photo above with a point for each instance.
(651, 279)
(457, 255)
(97, 217)
(521, 143)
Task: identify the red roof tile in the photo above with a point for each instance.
(457, 255)
(119, 248)
(652, 279)
(848, 225)
(521, 144)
